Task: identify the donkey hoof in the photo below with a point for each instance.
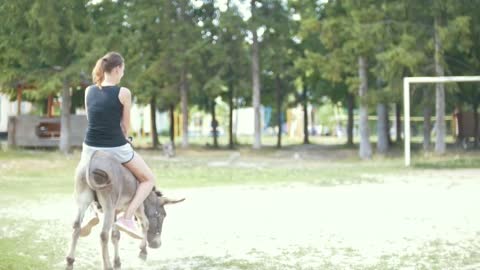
(70, 262)
(143, 255)
(117, 264)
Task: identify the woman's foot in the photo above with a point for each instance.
(130, 227)
(91, 219)
(85, 230)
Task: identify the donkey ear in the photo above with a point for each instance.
(157, 192)
(165, 200)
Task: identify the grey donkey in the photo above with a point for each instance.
(115, 187)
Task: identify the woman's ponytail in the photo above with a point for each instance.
(98, 72)
(105, 64)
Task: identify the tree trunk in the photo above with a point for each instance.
(214, 125)
(427, 124)
(388, 127)
(365, 151)
(475, 125)
(65, 138)
(439, 93)
(19, 100)
(257, 143)
(312, 120)
(235, 139)
(305, 114)
(172, 124)
(350, 104)
(278, 97)
(230, 115)
(46, 103)
(382, 128)
(398, 124)
(153, 118)
(184, 101)
(50, 106)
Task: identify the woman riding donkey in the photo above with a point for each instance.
(108, 113)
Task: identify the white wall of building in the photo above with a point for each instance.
(8, 108)
(140, 119)
(243, 121)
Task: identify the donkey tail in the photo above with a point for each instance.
(97, 178)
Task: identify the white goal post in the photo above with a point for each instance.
(406, 100)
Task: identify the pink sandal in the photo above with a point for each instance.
(129, 226)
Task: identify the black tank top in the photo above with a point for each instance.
(104, 111)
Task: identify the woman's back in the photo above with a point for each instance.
(104, 111)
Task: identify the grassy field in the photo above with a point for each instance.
(41, 177)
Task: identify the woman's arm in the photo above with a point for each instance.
(86, 108)
(125, 97)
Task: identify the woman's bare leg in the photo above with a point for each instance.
(145, 176)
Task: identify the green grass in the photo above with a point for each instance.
(459, 161)
(41, 172)
(271, 140)
(25, 250)
(35, 173)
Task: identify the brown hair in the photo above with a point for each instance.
(105, 64)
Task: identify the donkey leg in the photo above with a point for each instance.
(83, 201)
(115, 240)
(107, 226)
(140, 214)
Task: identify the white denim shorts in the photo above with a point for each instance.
(123, 154)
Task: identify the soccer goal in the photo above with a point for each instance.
(406, 100)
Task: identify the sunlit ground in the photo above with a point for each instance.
(304, 207)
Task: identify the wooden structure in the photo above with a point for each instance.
(36, 131)
(464, 127)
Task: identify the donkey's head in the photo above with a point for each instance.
(155, 212)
